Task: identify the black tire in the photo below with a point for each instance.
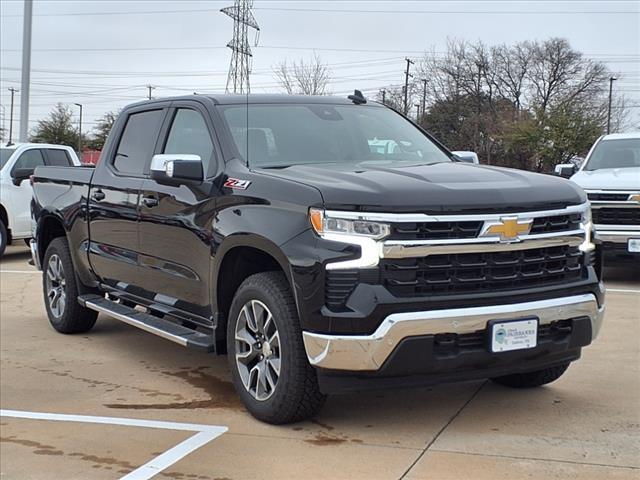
(3, 238)
(532, 379)
(72, 317)
(296, 395)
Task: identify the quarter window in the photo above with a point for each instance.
(138, 142)
(58, 158)
(189, 135)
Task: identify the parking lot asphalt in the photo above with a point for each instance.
(585, 425)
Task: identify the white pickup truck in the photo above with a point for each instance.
(17, 163)
(611, 177)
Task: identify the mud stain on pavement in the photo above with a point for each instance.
(326, 426)
(41, 449)
(221, 393)
(322, 440)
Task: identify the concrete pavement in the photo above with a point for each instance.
(585, 425)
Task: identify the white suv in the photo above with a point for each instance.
(611, 177)
(17, 163)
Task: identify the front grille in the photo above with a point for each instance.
(435, 230)
(608, 197)
(451, 343)
(558, 223)
(480, 272)
(616, 216)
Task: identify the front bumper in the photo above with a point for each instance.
(368, 353)
(607, 235)
(33, 245)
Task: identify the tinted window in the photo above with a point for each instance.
(58, 158)
(29, 159)
(189, 134)
(621, 153)
(137, 142)
(281, 135)
(5, 153)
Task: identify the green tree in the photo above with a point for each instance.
(58, 128)
(101, 130)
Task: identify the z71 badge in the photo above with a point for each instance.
(237, 183)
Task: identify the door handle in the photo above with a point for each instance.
(150, 201)
(98, 195)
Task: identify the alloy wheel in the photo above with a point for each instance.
(56, 284)
(257, 350)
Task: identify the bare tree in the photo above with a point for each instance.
(307, 78)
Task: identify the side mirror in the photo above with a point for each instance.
(565, 170)
(20, 174)
(469, 157)
(176, 169)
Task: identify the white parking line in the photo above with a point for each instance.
(20, 271)
(205, 434)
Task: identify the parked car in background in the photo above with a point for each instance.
(611, 177)
(17, 163)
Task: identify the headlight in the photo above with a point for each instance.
(587, 225)
(325, 225)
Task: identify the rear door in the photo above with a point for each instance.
(114, 248)
(57, 157)
(176, 221)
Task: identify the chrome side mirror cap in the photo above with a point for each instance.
(565, 170)
(468, 157)
(177, 168)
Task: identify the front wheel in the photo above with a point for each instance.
(61, 291)
(532, 379)
(268, 362)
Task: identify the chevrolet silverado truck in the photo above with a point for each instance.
(611, 177)
(273, 229)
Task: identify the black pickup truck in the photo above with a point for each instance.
(324, 244)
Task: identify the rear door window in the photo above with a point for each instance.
(58, 158)
(137, 142)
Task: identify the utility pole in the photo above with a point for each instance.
(424, 95)
(384, 96)
(406, 84)
(79, 130)
(149, 87)
(240, 66)
(611, 80)
(13, 92)
(26, 70)
(417, 105)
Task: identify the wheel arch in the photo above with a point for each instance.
(49, 227)
(237, 259)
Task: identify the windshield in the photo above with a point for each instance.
(284, 135)
(5, 153)
(623, 153)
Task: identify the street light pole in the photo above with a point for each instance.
(26, 70)
(79, 130)
(611, 80)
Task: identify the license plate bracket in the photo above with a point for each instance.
(510, 335)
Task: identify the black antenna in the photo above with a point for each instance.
(357, 97)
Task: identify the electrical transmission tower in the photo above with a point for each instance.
(240, 67)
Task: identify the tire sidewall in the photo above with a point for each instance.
(58, 248)
(264, 409)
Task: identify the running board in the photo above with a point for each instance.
(144, 321)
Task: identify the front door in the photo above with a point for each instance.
(114, 247)
(20, 195)
(176, 221)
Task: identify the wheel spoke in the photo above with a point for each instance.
(258, 315)
(274, 363)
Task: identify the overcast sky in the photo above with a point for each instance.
(103, 53)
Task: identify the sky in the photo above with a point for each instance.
(103, 54)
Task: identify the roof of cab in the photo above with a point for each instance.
(621, 136)
(262, 98)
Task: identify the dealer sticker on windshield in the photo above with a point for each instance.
(514, 335)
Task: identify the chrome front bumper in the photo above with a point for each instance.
(605, 234)
(33, 245)
(369, 352)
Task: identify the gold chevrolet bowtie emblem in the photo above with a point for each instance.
(635, 198)
(509, 228)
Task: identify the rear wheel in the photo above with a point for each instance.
(61, 291)
(532, 379)
(3, 238)
(268, 362)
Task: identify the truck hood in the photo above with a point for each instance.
(442, 187)
(609, 179)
